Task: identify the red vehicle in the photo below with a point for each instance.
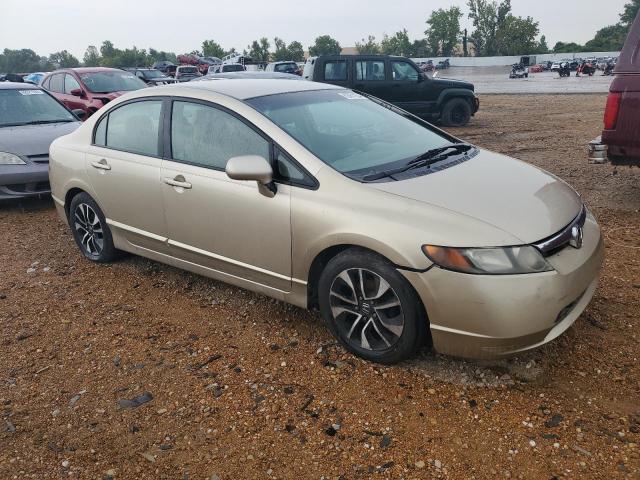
(621, 132)
(88, 89)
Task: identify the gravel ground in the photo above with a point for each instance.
(496, 80)
(137, 370)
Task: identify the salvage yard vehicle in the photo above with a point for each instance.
(225, 68)
(326, 198)
(621, 134)
(151, 76)
(519, 71)
(90, 88)
(399, 81)
(30, 119)
(283, 67)
(186, 73)
(246, 74)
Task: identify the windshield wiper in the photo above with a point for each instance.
(36, 122)
(424, 159)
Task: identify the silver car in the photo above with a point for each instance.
(30, 119)
(400, 234)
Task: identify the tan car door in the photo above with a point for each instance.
(228, 226)
(123, 166)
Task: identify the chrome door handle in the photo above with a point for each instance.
(102, 165)
(177, 182)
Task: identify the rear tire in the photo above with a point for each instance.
(90, 230)
(371, 308)
(456, 113)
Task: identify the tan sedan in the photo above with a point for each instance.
(400, 234)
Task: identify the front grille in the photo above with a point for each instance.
(560, 240)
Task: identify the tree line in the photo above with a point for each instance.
(496, 31)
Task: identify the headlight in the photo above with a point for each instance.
(491, 261)
(10, 159)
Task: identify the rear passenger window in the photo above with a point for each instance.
(370, 70)
(57, 83)
(335, 70)
(209, 137)
(100, 137)
(134, 128)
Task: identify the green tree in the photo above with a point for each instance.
(160, 56)
(517, 35)
(63, 59)
(542, 45)
(608, 39)
(630, 12)
(211, 48)
(368, 46)
(22, 61)
(397, 44)
(107, 49)
(91, 57)
(443, 31)
(488, 17)
(259, 50)
(296, 51)
(419, 49)
(562, 47)
(325, 45)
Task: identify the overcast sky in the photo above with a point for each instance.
(180, 26)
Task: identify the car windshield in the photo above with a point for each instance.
(30, 106)
(152, 73)
(188, 70)
(349, 132)
(233, 68)
(105, 82)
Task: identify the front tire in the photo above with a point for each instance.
(371, 308)
(90, 230)
(456, 113)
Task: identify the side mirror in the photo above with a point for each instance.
(251, 167)
(78, 112)
(77, 92)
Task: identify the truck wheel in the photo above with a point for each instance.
(456, 113)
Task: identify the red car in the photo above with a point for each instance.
(89, 89)
(621, 132)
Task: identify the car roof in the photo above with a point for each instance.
(18, 86)
(249, 74)
(245, 88)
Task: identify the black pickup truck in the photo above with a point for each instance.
(399, 81)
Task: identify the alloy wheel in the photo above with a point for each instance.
(366, 309)
(89, 229)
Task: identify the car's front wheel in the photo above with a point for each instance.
(371, 308)
(90, 230)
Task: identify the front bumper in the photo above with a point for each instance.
(20, 181)
(492, 316)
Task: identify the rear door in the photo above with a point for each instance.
(371, 75)
(123, 166)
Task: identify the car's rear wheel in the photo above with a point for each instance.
(371, 308)
(90, 230)
(456, 113)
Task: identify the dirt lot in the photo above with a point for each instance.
(246, 387)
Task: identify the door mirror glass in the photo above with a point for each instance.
(250, 167)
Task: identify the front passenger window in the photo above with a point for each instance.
(209, 137)
(404, 71)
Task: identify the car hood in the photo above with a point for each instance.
(452, 83)
(33, 139)
(513, 196)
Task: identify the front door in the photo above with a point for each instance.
(233, 228)
(123, 165)
(409, 89)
